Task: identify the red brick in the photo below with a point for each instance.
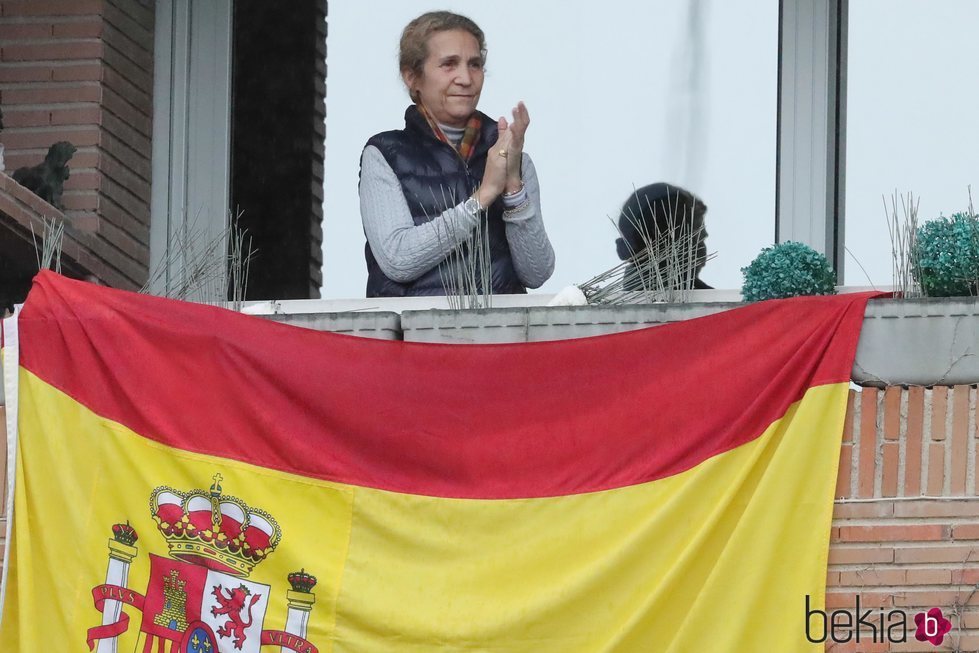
(125, 133)
(51, 7)
(930, 508)
(939, 399)
(892, 412)
(836, 600)
(932, 598)
(873, 577)
(865, 645)
(126, 112)
(128, 25)
(129, 47)
(84, 179)
(892, 452)
(870, 510)
(853, 555)
(868, 443)
(83, 114)
(120, 195)
(34, 139)
(928, 576)
(138, 96)
(79, 29)
(24, 31)
(966, 532)
(936, 469)
(115, 59)
(84, 158)
(135, 248)
(844, 475)
(135, 185)
(80, 200)
(969, 642)
(83, 222)
(955, 553)
(895, 533)
(49, 94)
(14, 160)
(967, 576)
(135, 225)
(139, 12)
(11, 74)
(53, 51)
(912, 447)
(136, 162)
(970, 619)
(72, 72)
(960, 439)
(26, 118)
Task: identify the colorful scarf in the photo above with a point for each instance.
(468, 144)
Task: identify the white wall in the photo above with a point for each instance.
(607, 88)
(911, 118)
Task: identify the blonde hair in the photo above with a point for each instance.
(414, 38)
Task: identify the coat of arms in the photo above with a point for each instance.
(199, 600)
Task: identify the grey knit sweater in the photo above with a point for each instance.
(405, 251)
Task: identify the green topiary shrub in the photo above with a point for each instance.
(946, 256)
(787, 270)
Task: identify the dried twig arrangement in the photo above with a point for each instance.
(209, 270)
(663, 270)
(48, 251)
(903, 230)
(466, 271)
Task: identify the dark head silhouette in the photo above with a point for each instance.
(652, 212)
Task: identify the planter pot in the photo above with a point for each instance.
(933, 341)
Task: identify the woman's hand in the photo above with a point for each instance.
(517, 129)
(495, 175)
(502, 173)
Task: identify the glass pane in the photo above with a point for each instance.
(683, 92)
(911, 119)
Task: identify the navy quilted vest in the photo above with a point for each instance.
(433, 178)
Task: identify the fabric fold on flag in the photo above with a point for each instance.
(666, 489)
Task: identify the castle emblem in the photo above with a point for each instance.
(200, 599)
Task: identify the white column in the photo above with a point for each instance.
(120, 556)
(297, 619)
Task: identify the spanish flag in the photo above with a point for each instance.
(190, 479)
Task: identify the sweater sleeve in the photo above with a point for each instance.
(404, 250)
(530, 248)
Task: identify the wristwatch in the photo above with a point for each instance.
(473, 206)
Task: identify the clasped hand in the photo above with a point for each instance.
(502, 173)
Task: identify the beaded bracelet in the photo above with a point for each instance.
(514, 193)
(517, 209)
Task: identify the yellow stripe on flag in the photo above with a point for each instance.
(650, 567)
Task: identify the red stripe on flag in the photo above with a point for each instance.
(488, 421)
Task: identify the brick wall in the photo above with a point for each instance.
(82, 71)
(906, 522)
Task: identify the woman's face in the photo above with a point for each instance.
(451, 79)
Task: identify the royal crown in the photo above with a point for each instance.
(301, 581)
(124, 533)
(215, 530)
